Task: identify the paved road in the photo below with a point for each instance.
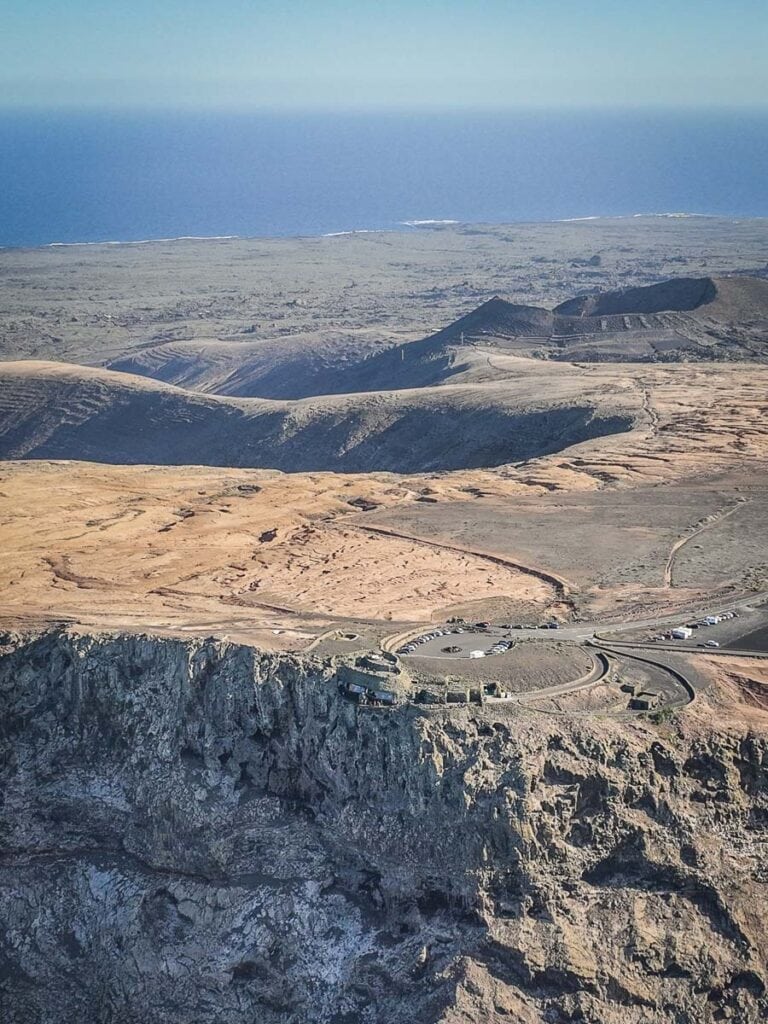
(580, 632)
(668, 658)
(483, 639)
(599, 671)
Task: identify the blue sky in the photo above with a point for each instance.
(389, 54)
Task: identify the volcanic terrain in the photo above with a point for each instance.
(337, 679)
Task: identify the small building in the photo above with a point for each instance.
(457, 697)
(356, 689)
(428, 697)
(646, 700)
(379, 663)
(384, 697)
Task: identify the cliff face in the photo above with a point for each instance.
(195, 832)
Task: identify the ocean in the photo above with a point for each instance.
(69, 177)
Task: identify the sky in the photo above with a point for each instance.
(383, 54)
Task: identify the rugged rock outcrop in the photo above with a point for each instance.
(195, 832)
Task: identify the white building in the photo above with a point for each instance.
(681, 633)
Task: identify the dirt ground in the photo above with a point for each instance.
(739, 695)
(645, 521)
(530, 665)
(235, 552)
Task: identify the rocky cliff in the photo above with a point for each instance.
(195, 832)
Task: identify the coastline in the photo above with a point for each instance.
(402, 226)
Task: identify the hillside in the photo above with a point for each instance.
(680, 295)
(304, 366)
(679, 320)
(725, 299)
(199, 831)
(293, 366)
(56, 411)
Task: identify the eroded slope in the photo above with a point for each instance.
(244, 552)
(60, 411)
(682, 319)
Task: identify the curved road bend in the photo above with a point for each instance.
(598, 672)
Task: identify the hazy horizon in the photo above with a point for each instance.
(423, 55)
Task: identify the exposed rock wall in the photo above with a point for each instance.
(195, 832)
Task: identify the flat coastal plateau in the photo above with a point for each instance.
(338, 680)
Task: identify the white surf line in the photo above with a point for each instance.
(145, 241)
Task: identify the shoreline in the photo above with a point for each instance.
(401, 227)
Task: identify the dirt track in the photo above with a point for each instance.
(709, 524)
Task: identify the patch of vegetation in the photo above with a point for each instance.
(663, 716)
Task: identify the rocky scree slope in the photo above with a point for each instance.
(195, 831)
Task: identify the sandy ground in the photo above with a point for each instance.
(246, 552)
(738, 695)
(239, 552)
(615, 527)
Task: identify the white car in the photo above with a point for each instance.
(712, 643)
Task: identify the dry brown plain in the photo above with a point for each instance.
(589, 531)
(643, 521)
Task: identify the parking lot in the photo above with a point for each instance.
(463, 640)
(732, 629)
(475, 640)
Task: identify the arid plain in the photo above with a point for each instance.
(495, 475)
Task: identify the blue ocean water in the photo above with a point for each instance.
(68, 177)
